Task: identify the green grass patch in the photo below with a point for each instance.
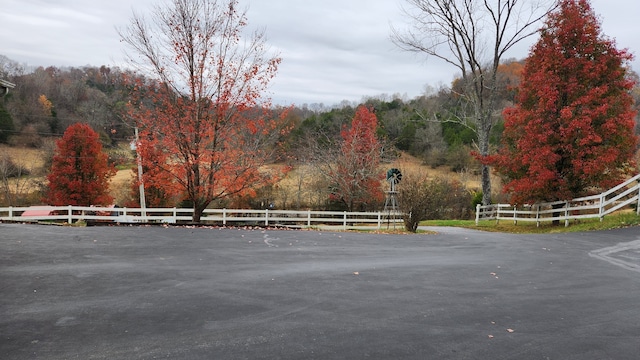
(453, 223)
(124, 166)
(613, 221)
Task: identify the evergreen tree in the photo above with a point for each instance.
(80, 171)
(6, 125)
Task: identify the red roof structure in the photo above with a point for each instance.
(38, 211)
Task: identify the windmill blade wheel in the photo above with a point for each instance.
(394, 175)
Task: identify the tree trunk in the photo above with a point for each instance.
(197, 212)
(556, 214)
(484, 132)
(486, 185)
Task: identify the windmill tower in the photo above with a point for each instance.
(391, 200)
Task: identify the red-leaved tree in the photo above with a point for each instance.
(80, 171)
(204, 117)
(572, 129)
(356, 175)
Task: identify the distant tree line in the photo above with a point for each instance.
(46, 101)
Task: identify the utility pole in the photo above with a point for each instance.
(143, 204)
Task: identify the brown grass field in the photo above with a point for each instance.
(33, 160)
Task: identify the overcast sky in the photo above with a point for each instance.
(332, 50)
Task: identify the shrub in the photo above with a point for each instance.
(422, 198)
(9, 169)
(28, 137)
(477, 199)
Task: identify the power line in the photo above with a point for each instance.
(50, 134)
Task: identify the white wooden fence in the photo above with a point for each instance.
(290, 218)
(589, 207)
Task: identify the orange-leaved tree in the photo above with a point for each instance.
(205, 109)
(80, 171)
(572, 128)
(356, 175)
(160, 187)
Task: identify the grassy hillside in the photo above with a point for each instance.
(287, 192)
(31, 159)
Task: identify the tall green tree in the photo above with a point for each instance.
(80, 172)
(572, 128)
(7, 127)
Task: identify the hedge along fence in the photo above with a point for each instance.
(290, 218)
(588, 207)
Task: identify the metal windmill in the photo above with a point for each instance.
(391, 202)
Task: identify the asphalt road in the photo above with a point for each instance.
(199, 293)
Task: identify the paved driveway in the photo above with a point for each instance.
(196, 293)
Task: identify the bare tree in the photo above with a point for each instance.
(473, 36)
(316, 152)
(15, 183)
(10, 68)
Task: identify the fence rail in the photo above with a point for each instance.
(291, 218)
(588, 207)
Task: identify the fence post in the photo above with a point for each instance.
(309, 218)
(344, 224)
(566, 214)
(601, 208)
(515, 214)
(69, 215)
(224, 217)
(537, 215)
(638, 204)
(266, 217)
(10, 213)
(477, 214)
(379, 220)
(143, 214)
(175, 215)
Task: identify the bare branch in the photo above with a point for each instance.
(455, 120)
